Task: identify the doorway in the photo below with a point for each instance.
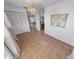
(42, 23)
(32, 23)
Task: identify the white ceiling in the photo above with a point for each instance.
(25, 3)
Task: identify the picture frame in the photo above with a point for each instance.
(59, 20)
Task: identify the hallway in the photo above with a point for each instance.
(38, 45)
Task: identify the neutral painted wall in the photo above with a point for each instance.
(42, 12)
(11, 7)
(64, 34)
(7, 53)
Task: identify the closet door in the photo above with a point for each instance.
(18, 22)
(13, 20)
(7, 53)
(10, 41)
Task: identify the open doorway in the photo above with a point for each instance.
(32, 23)
(42, 23)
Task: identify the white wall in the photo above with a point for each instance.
(65, 34)
(11, 7)
(42, 12)
(37, 20)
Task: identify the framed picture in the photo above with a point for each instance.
(59, 20)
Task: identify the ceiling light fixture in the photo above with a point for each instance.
(32, 9)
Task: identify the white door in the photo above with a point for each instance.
(7, 53)
(18, 21)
